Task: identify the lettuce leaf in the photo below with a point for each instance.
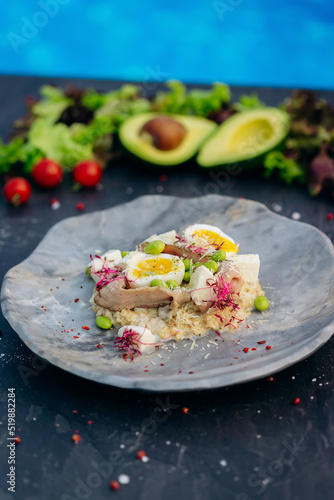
(248, 102)
(56, 142)
(10, 154)
(52, 104)
(99, 127)
(196, 102)
(287, 168)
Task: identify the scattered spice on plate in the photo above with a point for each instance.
(268, 347)
(262, 342)
(329, 216)
(90, 422)
(246, 349)
(76, 438)
(141, 454)
(17, 439)
(296, 401)
(80, 206)
(185, 410)
(99, 346)
(114, 485)
(76, 300)
(162, 178)
(85, 327)
(270, 379)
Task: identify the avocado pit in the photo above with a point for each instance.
(163, 132)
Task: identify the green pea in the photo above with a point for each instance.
(261, 303)
(211, 265)
(157, 282)
(186, 276)
(219, 255)
(187, 264)
(172, 284)
(123, 254)
(88, 273)
(154, 247)
(103, 322)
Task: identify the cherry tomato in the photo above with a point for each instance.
(17, 191)
(87, 173)
(47, 173)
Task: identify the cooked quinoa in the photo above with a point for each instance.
(185, 320)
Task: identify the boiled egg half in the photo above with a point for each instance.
(143, 268)
(210, 238)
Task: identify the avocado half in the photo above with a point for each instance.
(245, 138)
(197, 131)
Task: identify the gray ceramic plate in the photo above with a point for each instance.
(297, 270)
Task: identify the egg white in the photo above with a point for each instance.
(147, 341)
(191, 238)
(140, 272)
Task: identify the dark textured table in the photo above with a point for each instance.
(243, 442)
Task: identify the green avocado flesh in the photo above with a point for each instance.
(197, 131)
(245, 136)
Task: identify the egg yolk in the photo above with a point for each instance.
(215, 240)
(152, 266)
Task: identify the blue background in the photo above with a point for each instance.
(242, 42)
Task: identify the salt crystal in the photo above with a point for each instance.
(55, 205)
(223, 463)
(276, 207)
(124, 479)
(296, 216)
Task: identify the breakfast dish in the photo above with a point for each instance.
(293, 255)
(176, 286)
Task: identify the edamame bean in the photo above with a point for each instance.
(154, 247)
(103, 322)
(261, 303)
(219, 255)
(123, 254)
(157, 282)
(172, 284)
(211, 265)
(88, 273)
(186, 276)
(187, 263)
